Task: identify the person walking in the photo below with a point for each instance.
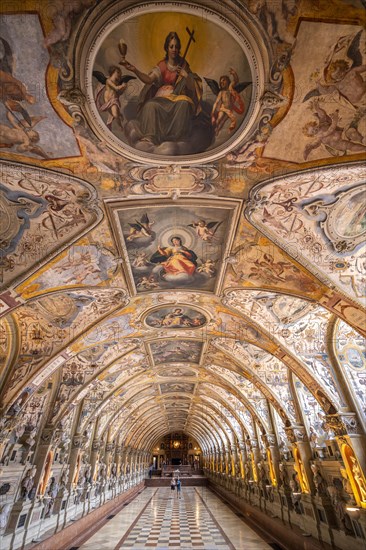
(172, 485)
(179, 486)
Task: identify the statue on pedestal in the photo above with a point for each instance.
(359, 478)
(27, 483)
(319, 481)
(284, 477)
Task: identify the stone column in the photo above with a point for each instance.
(137, 462)
(4, 437)
(124, 453)
(132, 457)
(45, 445)
(76, 444)
(235, 461)
(140, 462)
(243, 458)
(94, 455)
(117, 457)
(352, 444)
(215, 461)
(298, 437)
(109, 448)
(255, 449)
(272, 446)
(207, 459)
(220, 460)
(255, 456)
(127, 467)
(227, 460)
(346, 424)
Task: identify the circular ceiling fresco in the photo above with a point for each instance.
(163, 85)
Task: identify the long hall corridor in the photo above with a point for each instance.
(158, 519)
(182, 274)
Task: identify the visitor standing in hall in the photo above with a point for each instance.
(179, 486)
(172, 484)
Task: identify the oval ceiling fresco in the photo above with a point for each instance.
(175, 318)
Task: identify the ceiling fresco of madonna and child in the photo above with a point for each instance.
(182, 204)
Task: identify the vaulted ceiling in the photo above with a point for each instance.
(200, 271)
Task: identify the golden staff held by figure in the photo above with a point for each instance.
(191, 39)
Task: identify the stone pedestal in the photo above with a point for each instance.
(20, 509)
(324, 503)
(62, 496)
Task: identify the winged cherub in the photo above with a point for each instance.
(205, 230)
(207, 268)
(326, 131)
(22, 135)
(141, 229)
(107, 98)
(228, 100)
(342, 72)
(13, 92)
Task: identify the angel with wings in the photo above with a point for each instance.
(228, 101)
(343, 72)
(22, 135)
(205, 230)
(107, 98)
(141, 229)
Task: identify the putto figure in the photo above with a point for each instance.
(228, 100)
(205, 230)
(107, 98)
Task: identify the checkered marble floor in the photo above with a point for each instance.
(158, 519)
(171, 522)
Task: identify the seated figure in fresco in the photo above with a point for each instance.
(175, 261)
(176, 319)
(170, 108)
